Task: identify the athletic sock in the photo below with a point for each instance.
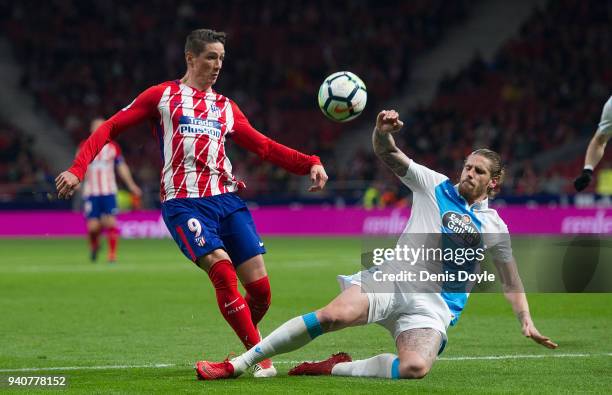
(94, 242)
(113, 237)
(383, 365)
(232, 305)
(258, 298)
(290, 336)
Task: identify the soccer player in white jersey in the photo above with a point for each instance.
(207, 219)
(417, 321)
(595, 150)
(100, 195)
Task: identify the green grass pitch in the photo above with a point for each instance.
(108, 326)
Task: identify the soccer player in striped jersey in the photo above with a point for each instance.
(209, 222)
(100, 195)
(596, 148)
(416, 315)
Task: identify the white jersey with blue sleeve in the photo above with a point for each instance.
(439, 208)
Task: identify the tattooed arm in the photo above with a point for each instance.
(387, 123)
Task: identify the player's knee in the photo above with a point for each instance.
(332, 318)
(413, 369)
(108, 222)
(209, 260)
(326, 317)
(259, 293)
(223, 276)
(93, 226)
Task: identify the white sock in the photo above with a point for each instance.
(383, 365)
(290, 336)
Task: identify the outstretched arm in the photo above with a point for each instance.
(596, 148)
(267, 149)
(594, 153)
(515, 294)
(387, 123)
(124, 172)
(142, 108)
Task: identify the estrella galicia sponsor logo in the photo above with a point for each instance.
(194, 126)
(463, 227)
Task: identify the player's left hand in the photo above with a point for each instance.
(583, 180)
(529, 330)
(318, 176)
(66, 183)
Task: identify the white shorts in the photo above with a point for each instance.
(399, 312)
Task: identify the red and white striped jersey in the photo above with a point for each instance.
(192, 131)
(100, 176)
(192, 127)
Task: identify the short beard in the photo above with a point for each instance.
(470, 194)
(463, 191)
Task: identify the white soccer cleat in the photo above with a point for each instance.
(264, 369)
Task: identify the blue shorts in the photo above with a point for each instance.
(97, 206)
(202, 225)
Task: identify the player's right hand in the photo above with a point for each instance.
(583, 180)
(529, 330)
(318, 177)
(388, 121)
(66, 183)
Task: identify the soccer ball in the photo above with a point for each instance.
(342, 96)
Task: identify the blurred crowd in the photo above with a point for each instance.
(545, 88)
(84, 59)
(23, 175)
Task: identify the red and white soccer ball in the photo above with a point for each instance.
(342, 96)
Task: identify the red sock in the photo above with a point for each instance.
(94, 242)
(113, 236)
(258, 298)
(232, 305)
